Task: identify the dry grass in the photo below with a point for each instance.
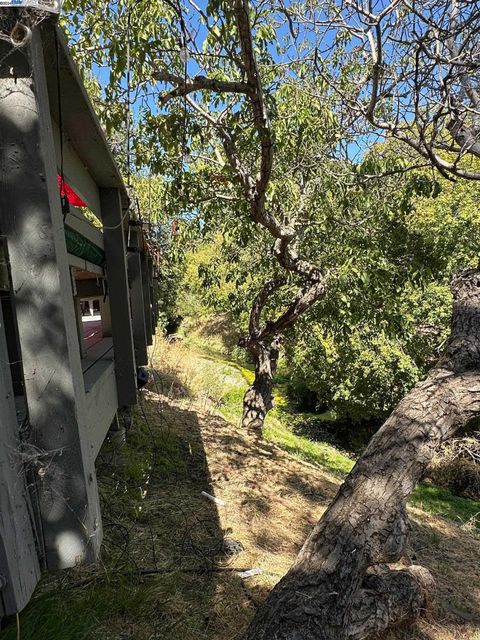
(272, 501)
(164, 575)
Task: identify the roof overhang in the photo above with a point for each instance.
(80, 124)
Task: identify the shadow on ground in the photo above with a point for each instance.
(164, 572)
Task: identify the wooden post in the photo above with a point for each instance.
(115, 257)
(79, 319)
(106, 318)
(153, 301)
(146, 298)
(138, 309)
(19, 567)
(32, 222)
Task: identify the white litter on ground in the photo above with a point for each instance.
(213, 498)
(251, 572)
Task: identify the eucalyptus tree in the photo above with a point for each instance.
(418, 84)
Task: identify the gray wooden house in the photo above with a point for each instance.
(64, 373)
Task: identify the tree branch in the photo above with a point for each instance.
(257, 100)
(268, 289)
(184, 86)
(303, 301)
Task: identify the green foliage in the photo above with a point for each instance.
(150, 193)
(387, 313)
(361, 375)
(167, 287)
(392, 246)
(390, 239)
(221, 277)
(226, 382)
(149, 196)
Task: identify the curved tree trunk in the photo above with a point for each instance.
(340, 586)
(258, 399)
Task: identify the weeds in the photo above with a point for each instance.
(184, 441)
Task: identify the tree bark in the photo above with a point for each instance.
(263, 344)
(339, 586)
(285, 232)
(258, 399)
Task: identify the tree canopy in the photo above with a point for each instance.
(319, 161)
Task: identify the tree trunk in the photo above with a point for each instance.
(340, 585)
(258, 399)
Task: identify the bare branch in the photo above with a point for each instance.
(184, 86)
(303, 301)
(268, 289)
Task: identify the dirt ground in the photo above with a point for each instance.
(167, 572)
(271, 500)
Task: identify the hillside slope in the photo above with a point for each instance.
(168, 571)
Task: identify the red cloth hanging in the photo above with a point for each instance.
(66, 190)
